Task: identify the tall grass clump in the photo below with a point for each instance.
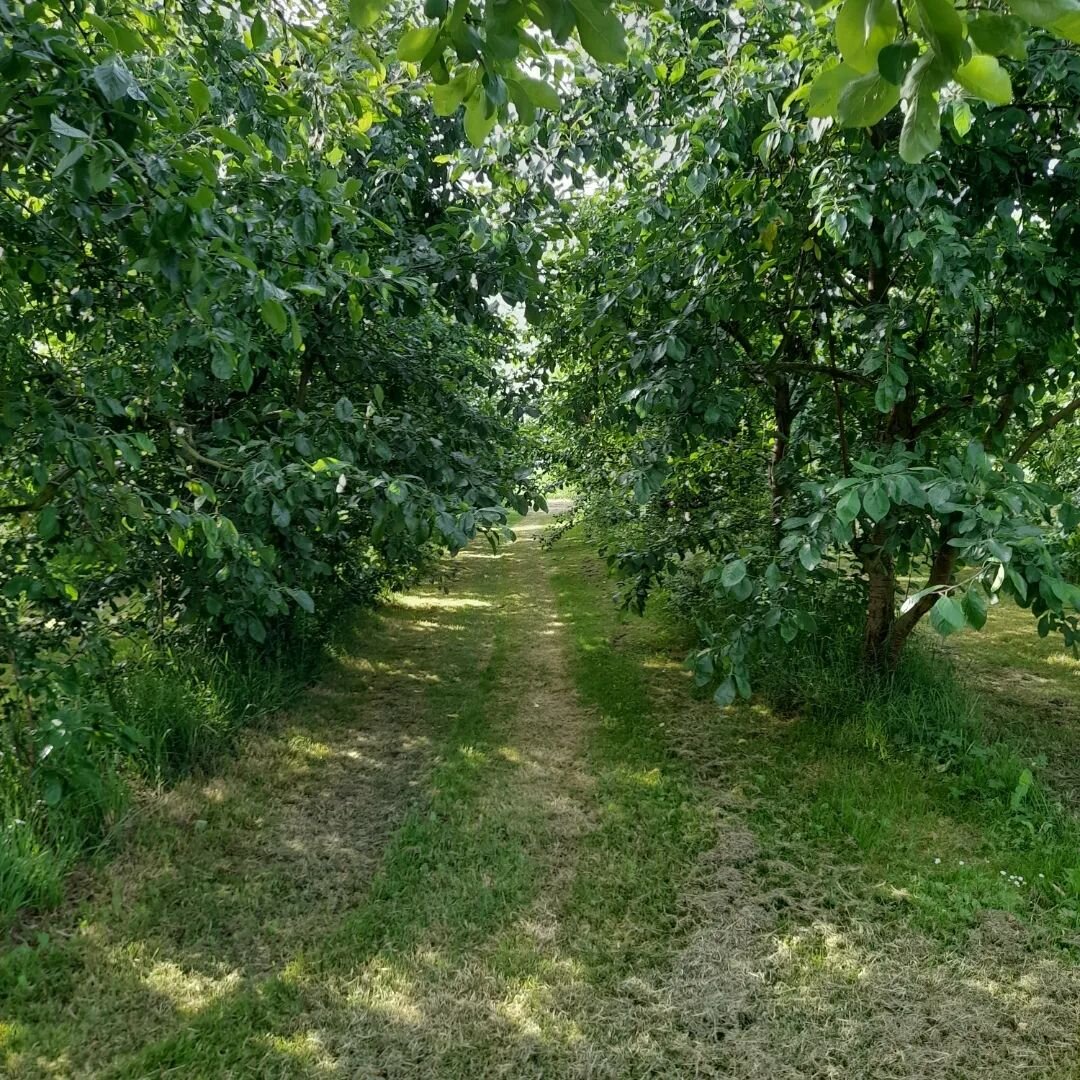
(163, 709)
(922, 710)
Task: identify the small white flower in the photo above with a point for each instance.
(936, 861)
(961, 862)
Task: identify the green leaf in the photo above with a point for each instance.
(863, 28)
(478, 120)
(725, 693)
(526, 110)
(809, 556)
(199, 93)
(541, 94)
(274, 315)
(48, 523)
(447, 97)
(697, 182)
(921, 133)
(675, 347)
(65, 163)
(116, 82)
(825, 90)
(1068, 27)
(876, 501)
(258, 31)
(1024, 783)
(983, 77)
(975, 607)
(62, 127)
(947, 616)
(416, 42)
(222, 365)
(365, 13)
(232, 141)
(600, 31)
(733, 573)
(866, 101)
(998, 35)
(1060, 16)
(943, 29)
(847, 509)
(303, 599)
(961, 117)
(895, 60)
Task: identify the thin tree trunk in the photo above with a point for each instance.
(880, 610)
(941, 573)
(784, 415)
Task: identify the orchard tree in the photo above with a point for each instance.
(247, 361)
(885, 57)
(906, 335)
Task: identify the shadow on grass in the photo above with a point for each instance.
(409, 878)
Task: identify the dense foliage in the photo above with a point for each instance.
(248, 368)
(905, 339)
(264, 273)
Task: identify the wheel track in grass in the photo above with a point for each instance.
(501, 839)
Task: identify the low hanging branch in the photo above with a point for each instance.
(43, 497)
(1048, 425)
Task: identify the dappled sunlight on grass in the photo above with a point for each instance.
(649, 778)
(306, 747)
(189, 992)
(424, 601)
(514, 844)
(1070, 663)
(441, 628)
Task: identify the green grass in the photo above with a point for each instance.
(1029, 689)
(503, 837)
(162, 714)
(919, 781)
(652, 820)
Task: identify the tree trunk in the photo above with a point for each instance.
(941, 573)
(784, 415)
(880, 610)
(886, 633)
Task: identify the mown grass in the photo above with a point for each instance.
(515, 895)
(502, 838)
(949, 808)
(162, 713)
(652, 819)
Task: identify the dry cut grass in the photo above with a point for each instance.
(502, 839)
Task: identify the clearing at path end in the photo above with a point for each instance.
(502, 839)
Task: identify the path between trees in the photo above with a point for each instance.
(501, 839)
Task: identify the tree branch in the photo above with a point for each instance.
(825, 369)
(43, 497)
(1048, 425)
(193, 455)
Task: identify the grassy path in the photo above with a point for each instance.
(501, 839)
